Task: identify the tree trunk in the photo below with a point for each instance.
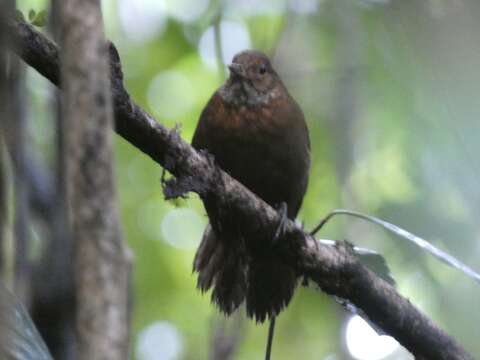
(100, 261)
(3, 114)
(53, 307)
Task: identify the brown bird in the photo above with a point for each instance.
(256, 132)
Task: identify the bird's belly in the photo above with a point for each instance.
(264, 166)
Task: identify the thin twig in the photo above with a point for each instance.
(416, 240)
(217, 33)
(271, 330)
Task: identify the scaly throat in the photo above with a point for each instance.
(243, 93)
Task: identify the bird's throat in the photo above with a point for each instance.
(240, 93)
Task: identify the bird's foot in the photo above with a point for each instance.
(282, 224)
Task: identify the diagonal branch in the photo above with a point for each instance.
(333, 268)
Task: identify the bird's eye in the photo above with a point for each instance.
(263, 69)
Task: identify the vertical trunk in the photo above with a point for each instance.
(3, 203)
(15, 139)
(18, 336)
(53, 307)
(100, 262)
(3, 115)
(13, 129)
(348, 66)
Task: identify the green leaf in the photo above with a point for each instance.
(31, 15)
(41, 19)
(19, 15)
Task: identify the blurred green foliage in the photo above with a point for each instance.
(390, 91)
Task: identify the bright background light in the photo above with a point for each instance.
(159, 341)
(142, 20)
(234, 38)
(364, 343)
(171, 94)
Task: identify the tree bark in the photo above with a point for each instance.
(15, 133)
(100, 260)
(53, 306)
(4, 39)
(335, 269)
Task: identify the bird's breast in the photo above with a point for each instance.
(262, 150)
(247, 121)
(265, 147)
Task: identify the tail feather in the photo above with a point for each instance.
(230, 284)
(221, 269)
(208, 247)
(271, 285)
(267, 284)
(208, 273)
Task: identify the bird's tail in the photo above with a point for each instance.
(222, 270)
(271, 284)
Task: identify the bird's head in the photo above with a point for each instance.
(252, 80)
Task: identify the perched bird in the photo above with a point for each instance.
(257, 133)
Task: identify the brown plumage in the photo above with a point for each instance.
(257, 133)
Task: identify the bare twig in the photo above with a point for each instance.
(414, 239)
(271, 330)
(217, 34)
(333, 268)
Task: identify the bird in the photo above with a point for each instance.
(257, 133)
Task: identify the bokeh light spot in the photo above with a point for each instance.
(186, 10)
(235, 38)
(170, 95)
(149, 215)
(304, 6)
(160, 341)
(255, 8)
(142, 20)
(182, 228)
(364, 343)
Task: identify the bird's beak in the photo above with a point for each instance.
(236, 69)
